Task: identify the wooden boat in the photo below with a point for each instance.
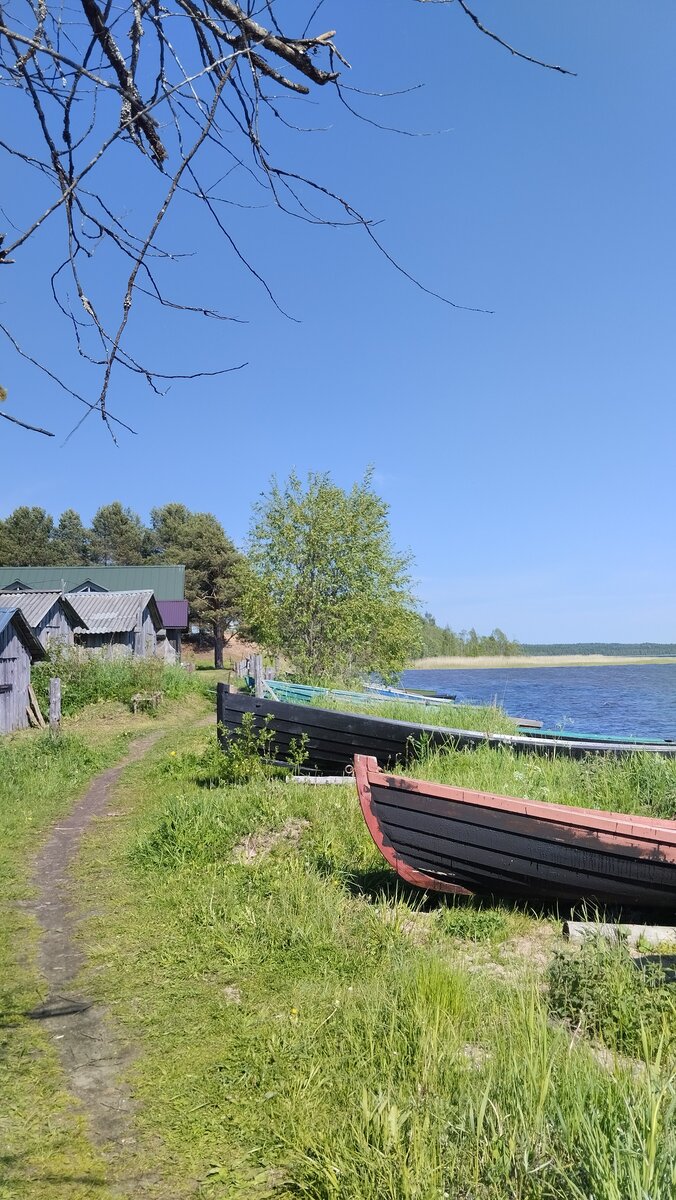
(306, 693)
(333, 738)
(451, 839)
(557, 735)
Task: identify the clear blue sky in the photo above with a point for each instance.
(527, 455)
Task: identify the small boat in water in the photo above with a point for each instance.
(333, 738)
(449, 839)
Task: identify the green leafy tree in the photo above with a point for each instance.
(215, 569)
(26, 538)
(71, 540)
(118, 536)
(327, 587)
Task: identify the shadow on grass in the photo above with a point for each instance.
(378, 885)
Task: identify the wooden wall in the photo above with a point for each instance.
(15, 674)
(55, 627)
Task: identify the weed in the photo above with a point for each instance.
(602, 991)
(474, 924)
(91, 678)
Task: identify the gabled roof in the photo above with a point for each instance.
(113, 612)
(167, 582)
(36, 605)
(174, 613)
(15, 617)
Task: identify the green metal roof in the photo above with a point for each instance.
(168, 583)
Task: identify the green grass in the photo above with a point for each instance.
(639, 783)
(600, 990)
(92, 678)
(486, 719)
(44, 1147)
(309, 1029)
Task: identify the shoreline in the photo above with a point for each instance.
(484, 662)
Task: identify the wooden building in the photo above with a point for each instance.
(50, 615)
(19, 647)
(118, 623)
(167, 581)
(174, 614)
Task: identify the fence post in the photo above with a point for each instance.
(258, 675)
(55, 704)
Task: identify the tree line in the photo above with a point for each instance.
(320, 581)
(438, 641)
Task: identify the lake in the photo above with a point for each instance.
(638, 701)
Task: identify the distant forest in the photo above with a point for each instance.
(614, 649)
(438, 641)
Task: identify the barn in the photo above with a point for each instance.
(19, 647)
(50, 615)
(117, 623)
(167, 581)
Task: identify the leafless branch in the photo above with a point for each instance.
(165, 90)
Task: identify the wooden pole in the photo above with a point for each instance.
(259, 690)
(55, 704)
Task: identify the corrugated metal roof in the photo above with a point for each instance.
(36, 605)
(113, 612)
(15, 616)
(167, 582)
(174, 613)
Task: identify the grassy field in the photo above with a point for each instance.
(307, 1028)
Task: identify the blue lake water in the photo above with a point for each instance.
(638, 701)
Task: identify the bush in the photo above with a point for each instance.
(88, 679)
(602, 991)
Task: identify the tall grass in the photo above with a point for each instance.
(306, 1035)
(87, 679)
(486, 719)
(638, 783)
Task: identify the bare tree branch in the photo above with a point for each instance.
(166, 90)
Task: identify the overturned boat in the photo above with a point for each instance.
(333, 738)
(450, 839)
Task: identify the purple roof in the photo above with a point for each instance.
(174, 613)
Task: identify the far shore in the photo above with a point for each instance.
(532, 660)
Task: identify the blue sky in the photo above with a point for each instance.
(527, 455)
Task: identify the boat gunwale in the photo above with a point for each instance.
(589, 818)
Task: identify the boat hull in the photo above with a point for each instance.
(333, 738)
(460, 841)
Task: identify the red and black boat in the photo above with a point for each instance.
(450, 839)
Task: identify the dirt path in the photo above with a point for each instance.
(92, 1054)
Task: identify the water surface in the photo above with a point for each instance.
(638, 701)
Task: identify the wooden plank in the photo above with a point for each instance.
(529, 858)
(33, 703)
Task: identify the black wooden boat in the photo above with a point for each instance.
(455, 840)
(333, 738)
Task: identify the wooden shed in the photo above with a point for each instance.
(19, 647)
(117, 623)
(50, 615)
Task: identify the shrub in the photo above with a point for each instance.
(601, 990)
(91, 678)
